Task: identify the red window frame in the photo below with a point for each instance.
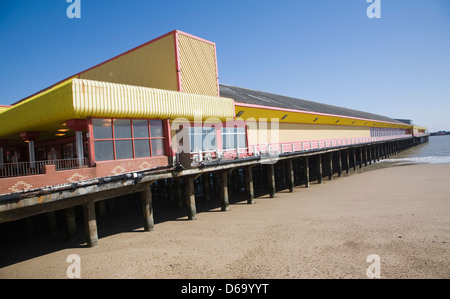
(132, 138)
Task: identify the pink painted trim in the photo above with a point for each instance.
(217, 73)
(177, 62)
(90, 132)
(168, 136)
(311, 113)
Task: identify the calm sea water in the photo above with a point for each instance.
(436, 151)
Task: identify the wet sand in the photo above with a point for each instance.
(325, 231)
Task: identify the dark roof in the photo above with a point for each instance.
(248, 96)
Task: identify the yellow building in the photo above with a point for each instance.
(160, 104)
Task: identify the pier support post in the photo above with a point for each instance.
(248, 173)
(290, 173)
(225, 203)
(360, 156)
(206, 187)
(348, 161)
(330, 168)
(271, 179)
(306, 169)
(100, 206)
(71, 225)
(296, 172)
(147, 209)
(90, 223)
(52, 225)
(340, 163)
(365, 155)
(354, 159)
(319, 169)
(190, 198)
(378, 152)
(178, 193)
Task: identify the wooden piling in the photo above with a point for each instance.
(190, 198)
(52, 224)
(249, 190)
(319, 169)
(340, 163)
(147, 209)
(365, 156)
(360, 156)
(101, 210)
(306, 170)
(206, 187)
(71, 224)
(378, 152)
(271, 179)
(170, 189)
(290, 173)
(178, 193)
(330, 166)
(224, 199)
(90, 223)
(348, 161)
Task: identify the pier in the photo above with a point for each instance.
(218, 181)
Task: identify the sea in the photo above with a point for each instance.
(436, 151)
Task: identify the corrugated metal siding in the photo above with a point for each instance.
(79, 99)
(102, 99)
(152, 65)
(198, 66)
(41, 112)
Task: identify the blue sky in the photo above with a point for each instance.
(327, 51)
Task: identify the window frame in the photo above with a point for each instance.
(113, 138)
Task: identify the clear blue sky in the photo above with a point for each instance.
(327, 51)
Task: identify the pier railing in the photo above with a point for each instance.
(38, 167)
(281, 148)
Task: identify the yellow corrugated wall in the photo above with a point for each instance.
(103, 99)
(79, 99)
(198, 66)
(40, 112)
(152, 65)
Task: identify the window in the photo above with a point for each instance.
(203, 139)
(116, 139)
(234, 137)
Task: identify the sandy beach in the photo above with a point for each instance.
(326, 231)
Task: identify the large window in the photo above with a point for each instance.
(380, 132)
(116, 139)
(233, 138)
(202, 139)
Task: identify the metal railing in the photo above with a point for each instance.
(38, 167)
(280, 148)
